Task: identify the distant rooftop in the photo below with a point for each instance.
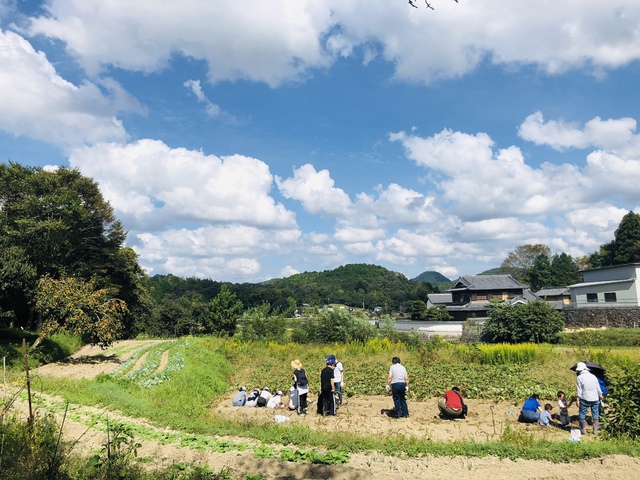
(487, 282)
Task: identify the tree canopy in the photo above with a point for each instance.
(534, 322)
(56, 224)
(625, 246)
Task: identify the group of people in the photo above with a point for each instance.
(451, 406)
(257, 398)
(590, 391)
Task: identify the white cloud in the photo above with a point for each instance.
(607, 134)
(288, 271)
(315, 190)
(282, 40)
(147, 182)
(211, 108)
(38, 103)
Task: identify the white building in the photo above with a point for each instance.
(615, 286)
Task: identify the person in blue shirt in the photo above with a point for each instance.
(530, 412)
(545, 416)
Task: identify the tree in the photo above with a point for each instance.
(533, 322)
(62, 227)
(257, 324)
(224, 310)
(521, 259)
(17, 283)
(75, 306)
(418, 310)
(564, 270)
(538, 275)
(625, 247)
(439, 313)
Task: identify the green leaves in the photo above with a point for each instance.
(534, 322)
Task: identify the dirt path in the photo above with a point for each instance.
(359, 415)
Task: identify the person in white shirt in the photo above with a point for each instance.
(398, 383)
(338, 379)
(589, 394)
(276, 400)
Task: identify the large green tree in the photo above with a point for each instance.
(57, 224)
(625, 247)
(522, 258)
(224, 311)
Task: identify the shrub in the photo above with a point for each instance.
(31, 451)
(622, 414)
(257, 325)
(535, 322)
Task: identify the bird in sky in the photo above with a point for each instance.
(428, 5)
(412, 4)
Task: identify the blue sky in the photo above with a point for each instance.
(243, 141)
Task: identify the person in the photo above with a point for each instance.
(252, 399)
(452, 404)
(564, 405)
(589, 395)
(338, 379)
(327, 389)
(545, 416)
(301, 383)
(276, 400)
(530, 412)
(240, 398)
(398, 383)
(265, 396)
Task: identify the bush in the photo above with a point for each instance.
(333, 326)
(31, 451)
(535, 322)
(257, 325)
(622, 415)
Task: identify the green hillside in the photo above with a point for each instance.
(431, 277)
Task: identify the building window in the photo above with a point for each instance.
(610, 297)
(592, 297)
(481, 296)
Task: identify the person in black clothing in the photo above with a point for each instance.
(327, 389)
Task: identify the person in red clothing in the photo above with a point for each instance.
(452, 404)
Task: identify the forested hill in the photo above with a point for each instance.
(431, 277)
(350, 284)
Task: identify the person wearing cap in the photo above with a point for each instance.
(398, 384)
(301, 384)
(589, 394)
(276, 400)
(240, 398)
(327, 389)
(252, 399)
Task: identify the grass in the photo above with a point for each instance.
(610, 337)
(213, 367)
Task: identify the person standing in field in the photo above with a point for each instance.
(338, 379)
(327, 389)
(301, 383)
(589, 395)
(398, 383)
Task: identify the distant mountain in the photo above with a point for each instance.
(431, 277)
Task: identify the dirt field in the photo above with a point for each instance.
(360, 415)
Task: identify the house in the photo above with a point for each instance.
(471, 294)
(435, 299)
(615, 286)
(555, 294)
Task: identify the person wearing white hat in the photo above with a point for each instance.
(240, 398)
(589, 394)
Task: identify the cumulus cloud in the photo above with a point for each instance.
(147, 182)
(482, 183)
(279, 41)
(609, 134)
(38, 103)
